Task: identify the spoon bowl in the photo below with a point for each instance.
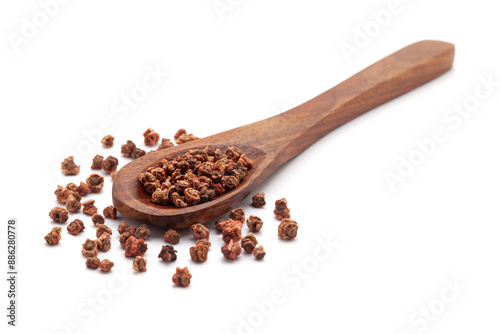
(273, 141)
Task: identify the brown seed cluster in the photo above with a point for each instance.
(73, 204)
(150, 137)
(69, 167)
(75, 227)
(109, 212)
(128, 148)
(281, 209)
(95, 182)
(171, 236)
(140, 264)
(248, 243)
(143, 232)
(59, 214)
(97, 162)
(182, 277)
(259, 200)
(254, 223)
(259, 252)
(168, 253)
(165, 143)
(288, 229)
(107, 141)
(110, 165)
(53, 236)
(184, 138)
(89, 208)
(200, 231)
(97, 219)
(195, 177)
(89, 248)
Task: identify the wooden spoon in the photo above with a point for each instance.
(273, 141)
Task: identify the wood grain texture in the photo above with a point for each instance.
(274, 141)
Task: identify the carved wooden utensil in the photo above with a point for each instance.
(273, 141)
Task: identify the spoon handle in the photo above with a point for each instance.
(293, 131)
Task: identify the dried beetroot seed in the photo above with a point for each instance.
(179, 133)
(128, 148)
(237, 214)
(165, 143)
(89, 208)
(231, 250)
(150, 137)
(95, 182)
(135, 247)
(259, 200)
(259, 252)
(167, 253)
(254, 224)
(200, 231)
(203, 242)
(124, 227)
(97, 162)
(219, 225)
(184, 138)
(124, 237)
(171, 236)
(59, 214)
(103, 242)
(281, 209)
(182, 277)
(89, 248)
(69, 167)
(54, 236)
(248, 243)
(109, 212)
(97, 219)
(110, 164)
(231, 231)
(142, 232)
(102, 230)
(83, 189)
(75, 227)
(288, 229)
(108, 141)
(199, 253)
(93, 262)
(106, 265)
(72, 204)
(138, 153)
(140, 264)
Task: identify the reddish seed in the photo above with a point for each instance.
(182, 277)
(231, 250)
(97, 219)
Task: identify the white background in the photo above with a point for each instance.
(397, 249)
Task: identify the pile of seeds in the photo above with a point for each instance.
(195, 177)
